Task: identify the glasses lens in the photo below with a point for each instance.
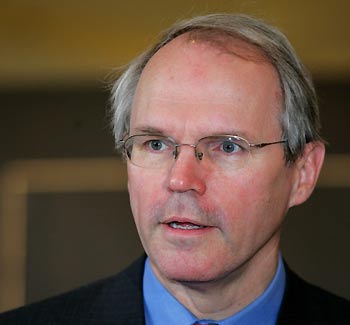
(225, 151)
(149, 151)
(156, 151)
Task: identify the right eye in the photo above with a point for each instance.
(156, 145)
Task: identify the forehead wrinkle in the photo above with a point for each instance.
(232, 45)
(198, 73)
(225, 43)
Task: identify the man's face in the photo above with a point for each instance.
(187, 91)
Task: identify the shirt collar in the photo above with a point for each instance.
(162, 308)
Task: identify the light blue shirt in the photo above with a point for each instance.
(162, 308)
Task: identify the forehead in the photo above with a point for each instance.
(192, 78)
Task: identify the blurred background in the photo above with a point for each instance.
(64, 211)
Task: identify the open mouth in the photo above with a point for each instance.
(185, 225)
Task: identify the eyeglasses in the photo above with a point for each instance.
(157, 151)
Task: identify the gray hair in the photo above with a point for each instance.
(300, 121)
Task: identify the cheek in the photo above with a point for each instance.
(251, 200)
(232, 197)
(145, 189)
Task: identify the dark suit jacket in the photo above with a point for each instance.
(119, 300)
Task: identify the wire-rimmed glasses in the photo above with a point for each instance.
(158, 151)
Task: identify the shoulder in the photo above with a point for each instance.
(116, 298)
(304, 303)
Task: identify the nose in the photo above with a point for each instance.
(186, 173)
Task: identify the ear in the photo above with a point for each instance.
(306, 169)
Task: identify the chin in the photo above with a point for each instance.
(188, 270)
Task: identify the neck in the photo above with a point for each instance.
(224, 297)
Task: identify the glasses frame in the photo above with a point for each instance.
(198, 155)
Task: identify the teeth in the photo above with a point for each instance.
(184, 226)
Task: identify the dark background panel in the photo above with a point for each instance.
(334, 99)
(315, 239)
(55, 123)
(75, 238)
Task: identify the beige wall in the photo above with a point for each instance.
(79, 41)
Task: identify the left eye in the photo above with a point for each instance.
(230, 147)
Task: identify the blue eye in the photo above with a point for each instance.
(230, 147)
(156, 145)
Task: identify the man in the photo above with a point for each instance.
(219, 126)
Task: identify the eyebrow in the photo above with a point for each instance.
(149, 129)
(154, 130)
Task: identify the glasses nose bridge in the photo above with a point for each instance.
(198, 155)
